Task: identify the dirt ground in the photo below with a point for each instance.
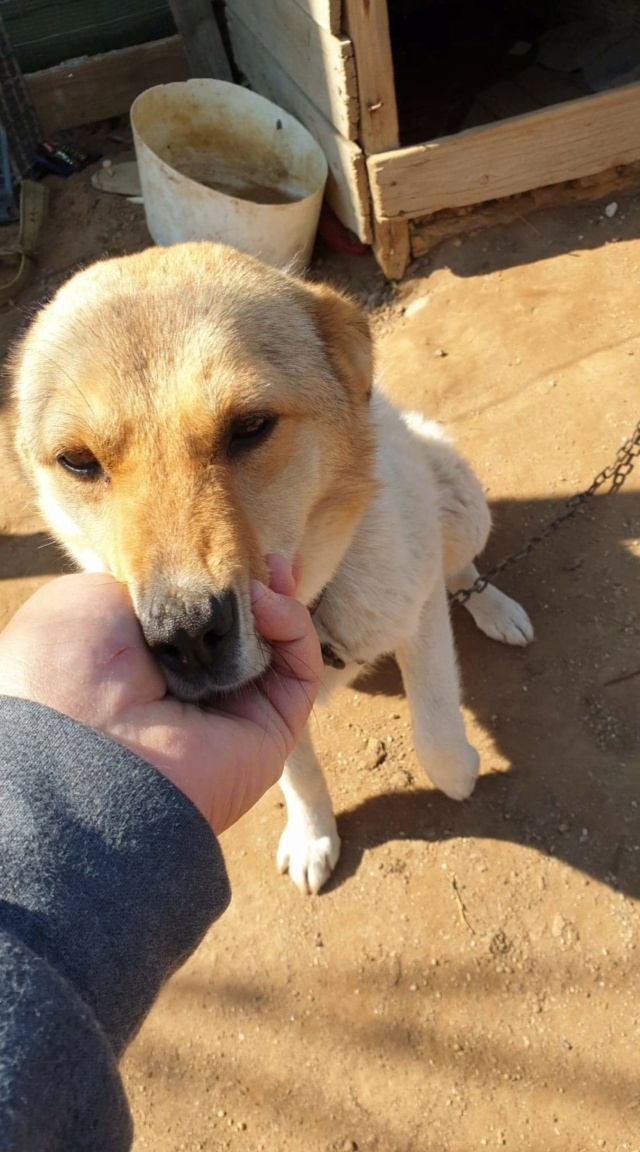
(470, 978)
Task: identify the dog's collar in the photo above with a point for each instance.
(329, 655)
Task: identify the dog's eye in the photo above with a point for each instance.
(82, 463)
(246, 434)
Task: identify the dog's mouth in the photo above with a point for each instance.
(202, 644)
(207, 687)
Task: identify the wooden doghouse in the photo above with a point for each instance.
(516, 127)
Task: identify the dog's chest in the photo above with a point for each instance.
(373, 602)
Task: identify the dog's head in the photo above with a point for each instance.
(182, 413)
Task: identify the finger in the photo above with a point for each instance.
(278, 618)
(281, 577)
(287, 624)
(292, 681)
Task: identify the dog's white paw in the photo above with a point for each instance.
(454, 773)
(307, 856)
(500, 617)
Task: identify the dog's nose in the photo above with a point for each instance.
(189, 636)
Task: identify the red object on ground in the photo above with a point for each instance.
(337, 236)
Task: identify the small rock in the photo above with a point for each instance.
(611, 210)
(558, 925)
(499, 945)
(349, 1146)
(241, 1126)
(574, 564)
(376, 752)
(566, 1044)
(440, 352)
(221, 1113)
(416, 305)
(413, 987)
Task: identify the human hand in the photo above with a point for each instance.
(77, 647)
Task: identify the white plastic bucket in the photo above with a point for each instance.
(189, 136)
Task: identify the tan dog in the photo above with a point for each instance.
(185, 411)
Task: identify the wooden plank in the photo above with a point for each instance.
(347, 185)
(545, 147)
(320, 64)
(391, 247)
(427, 233)
(97, 87)
(201, 39)
(326, 13)
(368, 26)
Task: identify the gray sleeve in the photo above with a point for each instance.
(109, 878)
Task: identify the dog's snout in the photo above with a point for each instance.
(190, 637)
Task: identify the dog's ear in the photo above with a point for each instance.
(346, 337)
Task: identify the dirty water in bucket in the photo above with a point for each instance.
(242, 184)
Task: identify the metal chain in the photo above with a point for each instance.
(617, 472)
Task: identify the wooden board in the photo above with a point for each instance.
(427, 234)
(326, 13)
(391, 246)
(559, 143)
(367, 24)
(98, 87)
(201, 39)
(320, 64)
(347, 186)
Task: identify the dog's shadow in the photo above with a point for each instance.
(561, 718)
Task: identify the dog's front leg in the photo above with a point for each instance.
(309, 846)
(428, 665)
